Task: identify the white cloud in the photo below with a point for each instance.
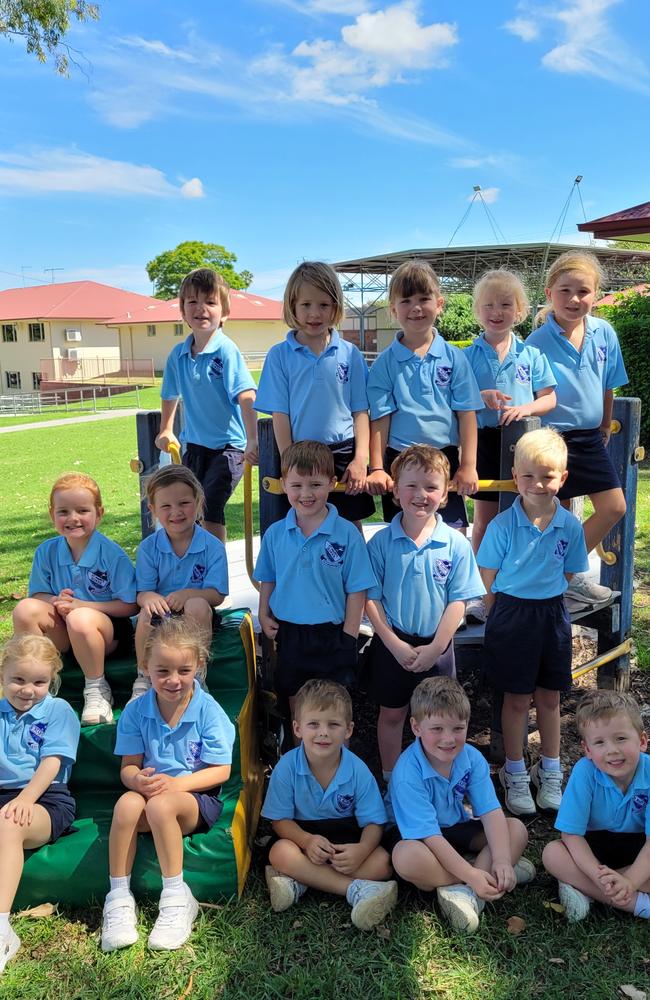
(395, 35)
(44, 171)
(192, 188)
(489, 195)
(523, 28)
(498, 161)
(156, 47)
(317, 7)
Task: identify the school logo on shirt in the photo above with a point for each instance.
(342, 372)
(522, 374)
(461, 786)
(198, 573)
(193, 758)
(601, 354)
(216, 368)
(36, 735)
(640, 802)
(344, 803)
(98, 582)
(333, 554)
(441, 570)
(560, 548)
(443, 375)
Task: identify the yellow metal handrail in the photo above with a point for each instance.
(274, 486)
(248, 523)
(600, 661)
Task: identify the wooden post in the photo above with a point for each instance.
(623, 450)
(147, 426)
(273, 507)
(510, 434)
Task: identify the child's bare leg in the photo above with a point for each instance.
(518, 835)
(484, 512)
(218, 530)
(287, 858)
(34, 617)
(547, 704)
(200, 611)
(609, 507)
(142, 633)
(91, 638)
(390, 729)
(127, 822)
(171, 815)
(559, 862)
(514, 717)
(14, 840)
(376, 867)
(415, 863)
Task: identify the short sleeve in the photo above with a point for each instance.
(147, 576)
(415, 814)
(273, 390)
(576, 559)
(465, 393)
(61, 738)
(492, 549)
(615, 374)
(265, 570)
(480, 791)
(377, 556)
(543, 377)
(464, 581)
(357, 571)
(129, 741)
(170, 388)
(236, 376)
(216, 575)
(370, 806)
(217, 735)
(381, 398)
(123, 585)
(358, 382)
(41, 579)
(575, 808)
(279, 802)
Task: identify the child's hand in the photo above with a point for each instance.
(605, 434)
(494, 399)
(425, 657)
(378, 482)
(148, 783)
(269, 625)
(155, 604)
(176, 600)
(164, 439)
(319, 850)
(403, 653)
(66, 602)
(355, 477)
(466, 480)
(615, 885)
(251, 451)
(20, 810)
(484, 885)
(505, 876)
(511, 413)
(348, 858)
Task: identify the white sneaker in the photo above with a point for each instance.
(576, 904)
(519, 801)
(176, 914)
(284, 891)
(582, 588)
(475, 611)
(549, 787)
(141, 685)
(9, 945)
(370, 901)
(119, 921)
(460, 906)
(97, 705)
(525, 871)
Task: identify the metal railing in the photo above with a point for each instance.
(85, 399)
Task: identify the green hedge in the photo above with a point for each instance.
(630, 317)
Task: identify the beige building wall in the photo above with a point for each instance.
(22, 360)
(143, 341)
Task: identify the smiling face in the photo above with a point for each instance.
(442, 738)
(75, 515)
(419, 491)
(314, 311)
(537, 483)
(416, 314)
(177, 509)
(323, 731)
(307, 493)
(614, 745)
(202, 311)
(25, 682)
(172, 670)
(498, 312)
(572, 297)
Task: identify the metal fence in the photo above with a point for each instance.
(87, 399)
(100, 370)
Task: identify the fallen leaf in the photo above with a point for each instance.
(631, 992)
(211, 906)
(296, 925)
(384, 933)
(557, 961)
(556, 907)
(515, 925)
(188, 989)
(42, 910)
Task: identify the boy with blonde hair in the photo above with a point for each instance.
(527, 556)
(604, 819)
(432, 781)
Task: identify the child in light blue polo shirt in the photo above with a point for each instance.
(209, 373)
(314, 384)
(526, 559)
(604, 819)
(314, 572)
(81, 591)
(586, 360)
(181, 568)
(422, 391)
(434, 781)
(176, 747)
(327, 813)
(38, 746)
(425, 572)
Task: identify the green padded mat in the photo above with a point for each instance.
(74, 871)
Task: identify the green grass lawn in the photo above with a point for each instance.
(241, 950)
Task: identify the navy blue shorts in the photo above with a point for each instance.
(210, 808)
(488, 459)
(390, 684)
(616, 850)
(590, 468)
(453, 513)
(309, 651)
(57, 802)
(123, 633)
(218, 470)
(338, 831)
(528, 645)
(461, 836)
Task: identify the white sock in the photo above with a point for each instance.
(172, 884)
(550, 763)
(93, 682)
(641, 907)
(4, 922)
(122, 882)
(515, 766)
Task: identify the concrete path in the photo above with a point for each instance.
(104, 415)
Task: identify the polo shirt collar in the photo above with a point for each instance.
(326, 528)
(37, 711)
(558, 521)
(397, 531)
(165, 545)
(514, 348)
(294, 343)
(606, 780)
(402, 353)
(87, 558)
(591, 325)
(212, 345)
(343, 773)
(460, 763)
(149, 706)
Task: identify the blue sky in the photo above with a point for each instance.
(293, 129)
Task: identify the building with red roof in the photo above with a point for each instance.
(629, 224)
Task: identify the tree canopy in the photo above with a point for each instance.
(457, 320)
(168, 269)
(43, 24)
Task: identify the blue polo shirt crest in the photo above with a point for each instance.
(561, 547)
(36, 735)
(342, 372)
(522, 374)
(333, 554)
(441, 569)
(198, 573)
(601, 354)
(344, 803)
(216, 367)
(443, 375)
(640, 802)
(98, 582)
(194, 748)
(462, 785)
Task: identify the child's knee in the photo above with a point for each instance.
(282, 852)
(198, 608)
(553, 855)
(517, 702)
(517, 832)
(81, 621)
(28, 613)
(129, 807)
(549, 700)
(406, 859)
(160, 810)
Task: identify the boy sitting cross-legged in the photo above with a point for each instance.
(604, 819)
(428, 790)
(327, 813)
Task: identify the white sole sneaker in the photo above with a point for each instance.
(576, 904)
(9, 945)
(367, 913)
(172, 929)
(282, 890)
(119, 930)
(525, 871)
(460, 907)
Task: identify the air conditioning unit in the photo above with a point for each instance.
(73, 354)
(73, 336)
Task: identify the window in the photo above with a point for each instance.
(37, 378)
(151, 329)
(13, 380)
(9, 333)
(178, 329)
(36, 332)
